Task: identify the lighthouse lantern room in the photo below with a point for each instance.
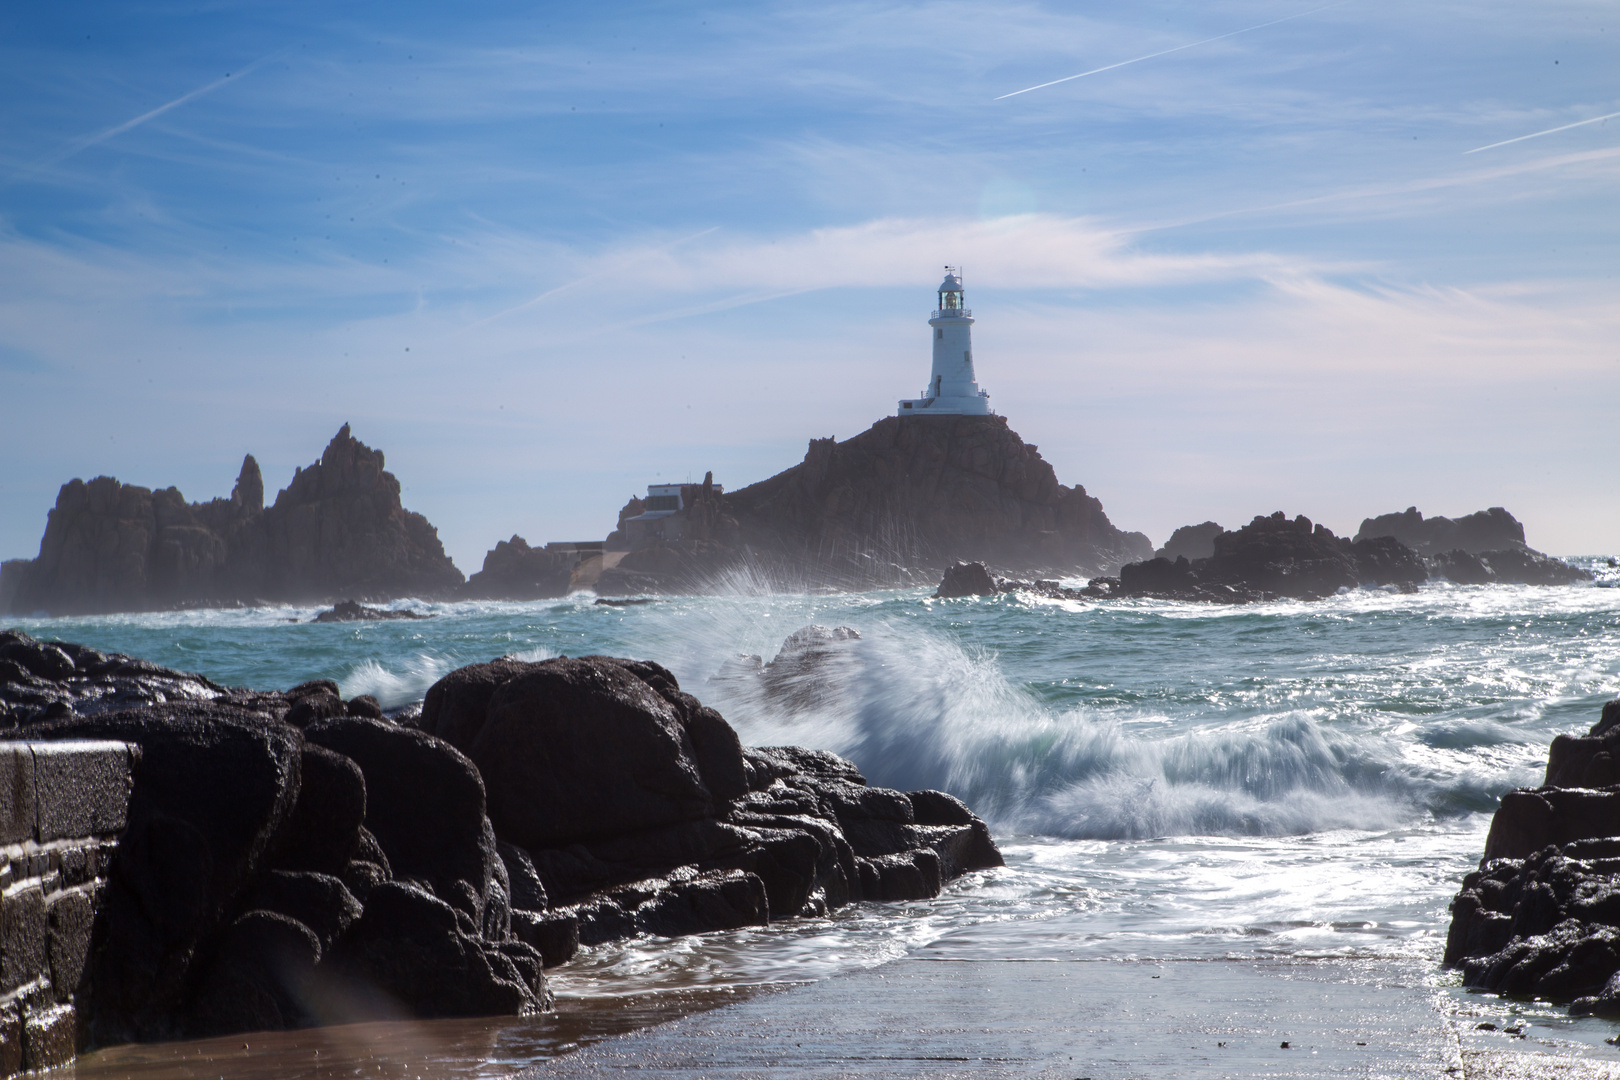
(952, 390)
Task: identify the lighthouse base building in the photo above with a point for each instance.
(953, 389)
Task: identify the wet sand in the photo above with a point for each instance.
(405, 1050)
(942, 1016)
(1070, 1018)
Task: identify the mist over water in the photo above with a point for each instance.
(1166, 779)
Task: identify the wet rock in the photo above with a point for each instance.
(410, 946)
(627, 796)
(323, 832)
(1541, 917)
(354, 611)
(424, 804)
(966, 579)
(213, 787)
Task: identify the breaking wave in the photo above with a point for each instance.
(920, 711)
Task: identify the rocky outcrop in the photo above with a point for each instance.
(1485, 530)
(1483, 548)
(640, 811)
(1541, 916)
(338, 528)
(1190, 542)
(354, 611)
(1510, 566)
(893, 505)
(973, 579)
(515, 571)
(292, 858)
(1270, 558)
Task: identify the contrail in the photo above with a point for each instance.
(582, 280)
(1538, 134)
(1167, 52)
(102, 136)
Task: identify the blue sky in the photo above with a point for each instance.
(543, 255)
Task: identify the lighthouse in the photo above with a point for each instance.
(952, 390)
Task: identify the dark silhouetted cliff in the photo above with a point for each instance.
(337, 529)
(890, 506)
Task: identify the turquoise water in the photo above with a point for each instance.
(1167, 780)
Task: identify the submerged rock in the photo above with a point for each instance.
(1541, 916)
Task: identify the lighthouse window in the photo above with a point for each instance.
(939, 335)
(967, 357)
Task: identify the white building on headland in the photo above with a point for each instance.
(952, 388)
(663, 502)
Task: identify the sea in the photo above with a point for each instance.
(1291, 783)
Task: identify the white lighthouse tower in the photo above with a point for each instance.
(952, 388)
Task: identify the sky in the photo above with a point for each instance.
(544, 255)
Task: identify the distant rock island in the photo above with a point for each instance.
(889, 507)
(1275, 558)
(337, 530)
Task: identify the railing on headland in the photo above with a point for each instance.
(947, 313)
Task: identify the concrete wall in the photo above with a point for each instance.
(62, 808)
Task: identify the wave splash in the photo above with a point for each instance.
(920, 711)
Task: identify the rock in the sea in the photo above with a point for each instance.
(887, 507)
(1271, 557)
(515, 571)
(1485, 530)
(1541, 916)
(974, 579)
(1482, 548)
(338, 528)
(354, 611)
(1190, 542)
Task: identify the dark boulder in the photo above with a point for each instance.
(424, 804)
(323, 831)
(579, 749)
(966, 579)
(1541, 916)
(410, 946)
(213, 788)
(258, 977)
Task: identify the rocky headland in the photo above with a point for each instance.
(1540, 918)
(292, 858)
(338, 529)
(890, 506)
